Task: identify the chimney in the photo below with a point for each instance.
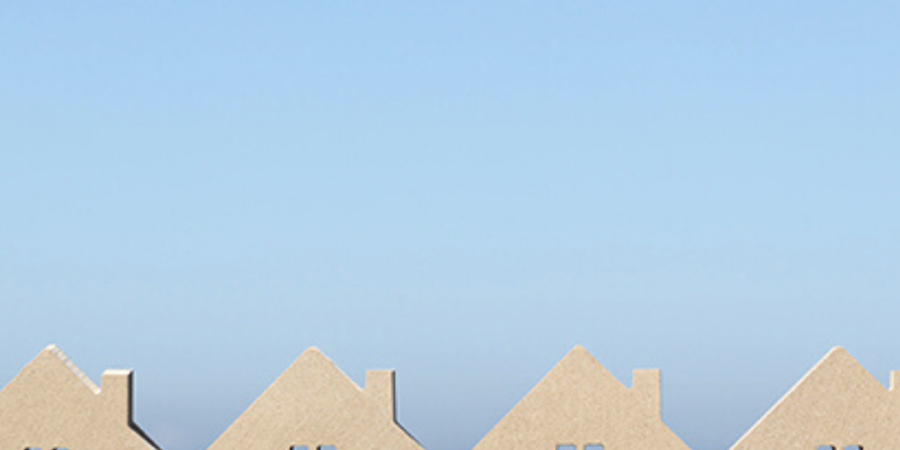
(380, 388)
(116, 394)
(895, 380)
(647, 391)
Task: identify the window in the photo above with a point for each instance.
(593, 447)
(853, 447)
(825, 447)
(566, 447)
(306, 447)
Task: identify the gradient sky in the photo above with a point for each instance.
(460, 190)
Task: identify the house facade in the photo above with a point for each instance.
(838, 405)
(579, 405)
(313, 405)
(51, 405)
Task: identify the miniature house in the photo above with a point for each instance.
(838, 405)
(314, 406)
(53, 405)
(579, 405)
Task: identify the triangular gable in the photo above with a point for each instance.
(51, 403)
(837, 403)
(580, 371)
(51, 370)
(581, 403)
(313, 403)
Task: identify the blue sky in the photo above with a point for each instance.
(461, 191)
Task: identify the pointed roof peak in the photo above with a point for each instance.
(55, 354)
(578, 356)
(837, 349)
(578, 351)
(838, 364)
(314, 361)
(54, 351)
(580, 361)
(313, 354)
(836, 355)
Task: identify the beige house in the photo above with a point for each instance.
(579, 405)
(838, 405)
(314, 406)
(53, 405)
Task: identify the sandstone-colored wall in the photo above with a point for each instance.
(314, 404)
(51, 404)
(580, 403)
(838, 403)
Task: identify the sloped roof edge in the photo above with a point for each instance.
(58, 353)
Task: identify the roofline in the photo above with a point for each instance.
(791, 391)
(55, 351)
